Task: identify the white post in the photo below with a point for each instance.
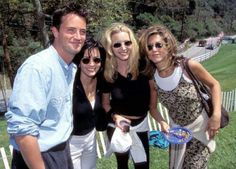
(234, 99)
(103, 142)
(4, 158)
(98, 150)
(149, 122)
(11, 149)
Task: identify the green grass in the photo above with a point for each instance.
(225, 154)
(222, 66)
(3, 139)
(3, 133)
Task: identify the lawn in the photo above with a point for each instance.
(222, 66)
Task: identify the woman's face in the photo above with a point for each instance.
(157, 50)
(121, 46)
(90, 63)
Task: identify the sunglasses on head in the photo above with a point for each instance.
(157, 45)
(118, 44)
(96, 60)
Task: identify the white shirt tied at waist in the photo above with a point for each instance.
(198, 129)
(136, 147)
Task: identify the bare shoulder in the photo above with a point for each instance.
(195, 66)
(193, 63)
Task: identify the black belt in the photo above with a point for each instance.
(58, 147)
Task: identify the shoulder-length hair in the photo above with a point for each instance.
(110, 72)
(90, 44)
(170, 42)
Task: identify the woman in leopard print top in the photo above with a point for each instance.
(177, 93)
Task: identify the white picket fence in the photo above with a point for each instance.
(228, 101)
(207, 55)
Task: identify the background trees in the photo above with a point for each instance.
(25, 24)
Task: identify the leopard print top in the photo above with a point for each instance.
(183, 103)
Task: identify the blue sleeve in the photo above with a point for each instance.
(28, 102)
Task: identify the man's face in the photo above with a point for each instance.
(71, 35)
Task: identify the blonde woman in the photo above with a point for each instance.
(178, 94)
(127, 93)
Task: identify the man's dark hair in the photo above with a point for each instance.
(67, 9)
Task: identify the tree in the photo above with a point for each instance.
(15, 25)
(43, 29)
(6, 56)
(104, 12)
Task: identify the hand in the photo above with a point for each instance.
(164, 127)
(213, 126)
(117, 119)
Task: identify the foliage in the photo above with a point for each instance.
(146, 19)
(212, 28)
(172, 24)
(234, 26)
(103, 12)
(195, 29)
(21, 49)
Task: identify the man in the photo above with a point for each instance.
(40, 108)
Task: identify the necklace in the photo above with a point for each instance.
(165, 68)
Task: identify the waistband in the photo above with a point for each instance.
(58, 147)
(134, 122)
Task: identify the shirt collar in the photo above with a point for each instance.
(63, 64)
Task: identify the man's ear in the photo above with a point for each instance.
(54, 31)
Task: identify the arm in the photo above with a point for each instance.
(106, 101)
(205, 77)
(153, 107)
(27, 109)
(30, 151)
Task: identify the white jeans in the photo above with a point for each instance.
(83, 151)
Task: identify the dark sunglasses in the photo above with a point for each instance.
(96, 60)
(118, 44)
(157, 45)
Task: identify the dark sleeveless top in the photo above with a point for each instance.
(84, 116)
(129, 97)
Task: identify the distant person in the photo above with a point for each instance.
(178, 94)
(128, 95)
(40, 108)
(87, 105)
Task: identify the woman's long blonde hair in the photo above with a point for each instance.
(110, 71)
